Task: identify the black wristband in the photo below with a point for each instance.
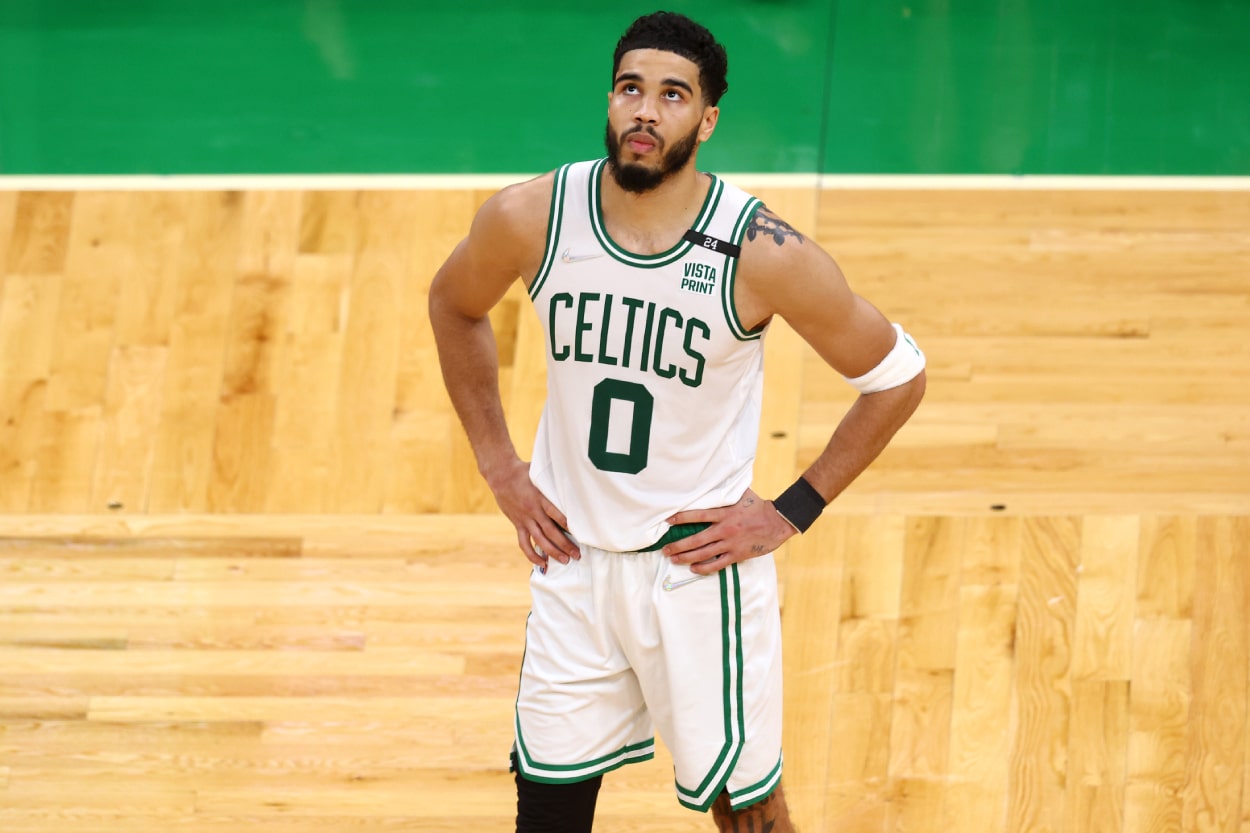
(800, 504)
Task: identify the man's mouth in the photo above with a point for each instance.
(640, 142)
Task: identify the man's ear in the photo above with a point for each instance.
(710, 117)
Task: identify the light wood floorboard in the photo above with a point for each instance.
(250, 579)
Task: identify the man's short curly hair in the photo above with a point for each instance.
(682, 36)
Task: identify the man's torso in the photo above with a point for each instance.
(654, 383)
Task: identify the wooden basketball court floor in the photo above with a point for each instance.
(249, 579)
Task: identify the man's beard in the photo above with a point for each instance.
(639, 179)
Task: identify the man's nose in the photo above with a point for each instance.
(647, 112)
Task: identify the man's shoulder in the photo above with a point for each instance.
(770, 244)
(518, 211)
(778, 261)
(523, 209)
(523, 197)
(538, 190)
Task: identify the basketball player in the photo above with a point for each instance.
(654, 590)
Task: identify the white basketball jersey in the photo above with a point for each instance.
(653, 384)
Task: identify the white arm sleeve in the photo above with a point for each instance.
(900, 366)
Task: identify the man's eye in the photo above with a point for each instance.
(673, 95)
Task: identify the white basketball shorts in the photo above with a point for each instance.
(620, 643)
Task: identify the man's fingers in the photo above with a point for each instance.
(551, 542)
(694, 555)
(693, 545)
(712, 565)
(554, 513)
(555, 538)
(536, 558)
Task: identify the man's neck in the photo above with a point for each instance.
(654, 221)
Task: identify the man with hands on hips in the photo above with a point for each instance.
(654, 589)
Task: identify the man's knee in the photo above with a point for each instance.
(555, 808)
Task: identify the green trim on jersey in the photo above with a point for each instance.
(554, 218)
(627, 257)
(702, 797)
(731, 272)
(757, 792)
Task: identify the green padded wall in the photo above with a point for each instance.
(410, 86)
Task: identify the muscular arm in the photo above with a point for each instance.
(782, 273)
(799, 281)
(505, 241)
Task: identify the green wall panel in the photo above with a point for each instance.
(411, 86)
(1060, 87)
(261, 86)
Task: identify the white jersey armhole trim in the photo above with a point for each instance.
(554, 218)
(731, 273)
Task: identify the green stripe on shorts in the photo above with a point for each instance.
(703, 796)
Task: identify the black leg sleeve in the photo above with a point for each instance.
(555, 808)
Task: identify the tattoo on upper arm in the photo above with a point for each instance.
(765, 222)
